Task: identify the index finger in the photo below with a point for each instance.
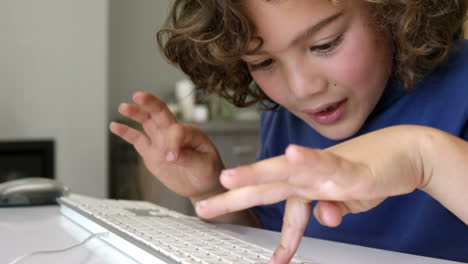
(297, 166)
(321, 172)
(275, 169)
(297, 214)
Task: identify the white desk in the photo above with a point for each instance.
(28, 229)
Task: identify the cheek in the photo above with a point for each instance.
(357, 68)
(364, 64)
(364, 75)
(271, 86)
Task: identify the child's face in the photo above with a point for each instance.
(341, 61)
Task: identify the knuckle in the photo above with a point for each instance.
(158, 106)
(285, 250)
(133, 137)
(298, 178)
(149, 95)
(142, 117)
(292, 223)
(190, 128)
(177, 130)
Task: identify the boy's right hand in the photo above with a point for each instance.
(181, 156)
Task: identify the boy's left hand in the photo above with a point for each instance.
(354, 176)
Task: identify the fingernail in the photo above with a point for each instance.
(121, 106)
(201, 204)
(112, 127)
(227, 174)
(170, 156)
(272, 261)
(136, 95)
(294, 148)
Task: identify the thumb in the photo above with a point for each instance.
(330, 213)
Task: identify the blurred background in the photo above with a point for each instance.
(65, 66)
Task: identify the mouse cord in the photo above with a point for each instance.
(47, 252)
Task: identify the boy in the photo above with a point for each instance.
(338, 74)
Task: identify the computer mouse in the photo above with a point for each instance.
(31, 191)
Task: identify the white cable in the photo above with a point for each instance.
(46, 252)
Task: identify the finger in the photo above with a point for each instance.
(329, 176)
(266, 171)
(321, 174)
(137, 114)
(157, 109)
(176, 134)
(329, 213)
(295, 220)
(300, 166)
(321, 162)
(134, 112)
(182, 136)
(132, 136)
(243, 198)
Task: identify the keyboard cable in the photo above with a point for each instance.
(49, 252)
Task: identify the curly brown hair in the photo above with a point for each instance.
(206, 39)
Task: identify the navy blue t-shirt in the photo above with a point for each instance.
(414, 223)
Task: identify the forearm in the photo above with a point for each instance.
(444, 160)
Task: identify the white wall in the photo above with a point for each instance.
(53, 83)
(135, 61)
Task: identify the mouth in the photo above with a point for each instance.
(329, 113)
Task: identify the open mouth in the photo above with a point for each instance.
(330, 108)
(330, 114)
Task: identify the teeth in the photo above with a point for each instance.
(331, 107)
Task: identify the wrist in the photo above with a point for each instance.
(441, 156)
(428, 142)
(411, 149)
(419, 146)
(444, 157)
(422, 138)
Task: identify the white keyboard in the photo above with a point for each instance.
(152, 234)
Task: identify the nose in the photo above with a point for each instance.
(303, 81)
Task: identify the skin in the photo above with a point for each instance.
(345, 59)
(181, 156)
(350, 177)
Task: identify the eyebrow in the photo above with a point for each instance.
(314, 28)
(308, 31)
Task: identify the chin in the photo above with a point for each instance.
(335, 135)
(338, 131)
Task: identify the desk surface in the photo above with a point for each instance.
(28, 229)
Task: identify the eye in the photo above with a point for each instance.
(262, 65)
(327, 47)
